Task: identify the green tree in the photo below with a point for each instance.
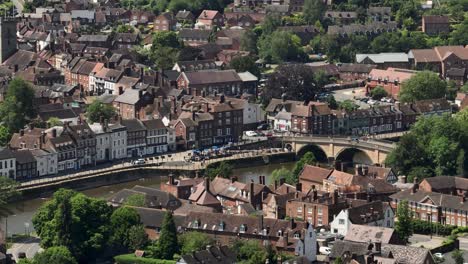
(331, 101)
(307, 159)
(245, 63)
(313, 11)
(54, 255)
(281, 46)
(464, 88)
(137, 200)
(270, 24)
(121, 221)
(338, 260)
(167, 245)
(222, 169)
(282, 173)
(457, 257)
(194, 241)
(164, 57)
(137, 237)
(459, 36)
(378, 93)
(291, 80)
(17, 108)
(166, 39)
(98, 109)
(423, 85)
(403, 224)
(75, 221)
(348, 105)
(5, 135)
(54, 121)
(250, 252)
(248, 42)
(321, 79)
(125, 29)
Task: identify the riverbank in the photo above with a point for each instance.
(24, 210)
(127, 173)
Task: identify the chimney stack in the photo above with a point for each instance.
(21, 132)
(171, 179)
(233, 179)
(298, 187)
(335, 197)
(402, 179)
(276, 184)
(54, 133)
(282, 181)
(314, 193)
(252, 185)
(415, 185)
(207, 184)
(120, 90)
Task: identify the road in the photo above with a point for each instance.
(30, 246)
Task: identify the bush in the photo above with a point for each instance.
(131, 259)
(424, 227)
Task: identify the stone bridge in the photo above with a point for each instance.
(370, 151)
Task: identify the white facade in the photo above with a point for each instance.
(118, 140)
(282, 121)
(47, 161)
(341, 223)
(253, 113)
(8, 167)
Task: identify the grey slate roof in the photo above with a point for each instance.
(383, 57)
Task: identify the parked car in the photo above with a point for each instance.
(325, 250)
(264, 126)
(251, 133)
(139, 162)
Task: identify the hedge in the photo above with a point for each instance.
(424, 227)
(131, 259)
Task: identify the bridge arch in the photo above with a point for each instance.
(352, 155)
(319, 153)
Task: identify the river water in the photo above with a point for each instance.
(20, 221)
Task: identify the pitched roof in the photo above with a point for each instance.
(314, 174)
(194, 34)
(154, 124)
(436, 19)
(438, 199)
(447, 182)
(383, 57)
(359, 233)
(367, 213)
(208, 14)
(211, 77)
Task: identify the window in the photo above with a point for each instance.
(196, 224)
(242, 228)
(319, 210)
(299, 209)
(341, 221)
(222, 225)
(297, 236)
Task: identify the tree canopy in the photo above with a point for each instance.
(222, 169)
(74, 221)
(98, 109)
(280, 46)
(421, 86)
(313, 10)
(435, 145)
(52, 255)
(194, 241)
(245, 63)
(403, 224)
(291, 80)
(123, 222)
(167, 245)
(17, 108)
(378, 93)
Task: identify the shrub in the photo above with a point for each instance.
(424, 227)
(131, 259)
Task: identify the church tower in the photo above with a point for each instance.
(8, 43)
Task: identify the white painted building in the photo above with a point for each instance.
(103, 142)
(7, 163)
(47, 161)
(371, 214)
(282, 121)
(156, 136)
(118, 140)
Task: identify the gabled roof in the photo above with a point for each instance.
(314, 174)
(211, 77)
(208, 14)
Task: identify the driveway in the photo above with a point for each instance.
(30, 246)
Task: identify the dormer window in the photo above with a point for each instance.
(297, 236)
(196, 224)
(222, 226)
(242, 228)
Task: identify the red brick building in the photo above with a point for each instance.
(318, 211)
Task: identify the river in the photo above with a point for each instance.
(20, 221)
